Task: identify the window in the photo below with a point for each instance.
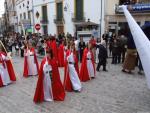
(24, 15)
(20, 7)
(20, 16)
(28, 2)
(59, 11)
(29, 16)
(23, 4)
(79, 10)
(44, 13)
(45, 29)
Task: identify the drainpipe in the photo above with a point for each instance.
(33, 16)
(100, 26)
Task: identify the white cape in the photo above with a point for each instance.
(142, 43)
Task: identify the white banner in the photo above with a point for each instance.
(142, 43)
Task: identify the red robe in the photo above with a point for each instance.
(57, 87)
(67, 82)
(61, 55)
(48, 44)
(9, 68)
(84, 75)
(25, 72)
(52, 44)
(54, 48)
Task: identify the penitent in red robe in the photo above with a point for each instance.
(26, 65)
(9, 67)
(61, 55)
(84, 75)
(53, 45)
(67, 82)
(57, 87)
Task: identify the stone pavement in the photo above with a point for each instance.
(110, 92)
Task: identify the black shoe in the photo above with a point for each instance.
(140, 73)
(105, 70)
(124, 71)
(130, 72)
(97, 70)
(92, 77)
(76, 91)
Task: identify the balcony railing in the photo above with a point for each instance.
(58, 20)
(135, 8)
(25, 21)
(78, 19)
(44, 21)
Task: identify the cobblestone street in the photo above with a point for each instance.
(110, 92)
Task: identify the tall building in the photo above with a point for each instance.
(2, 24)
(72, 16)
(10, 15)
(25, 18)
(115, 19)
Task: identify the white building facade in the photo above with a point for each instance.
(67, 16)
(115, 19)
(25, 20)
(44, 11)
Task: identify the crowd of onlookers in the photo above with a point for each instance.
(115, 47)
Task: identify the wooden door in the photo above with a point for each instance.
(60, 29)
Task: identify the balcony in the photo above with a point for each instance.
(44, 21)
(58, 20)
(134, 8)
(76, 19)
(25, 21)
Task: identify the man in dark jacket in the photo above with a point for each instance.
(81, 48)
(102, 57)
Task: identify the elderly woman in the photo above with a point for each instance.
(130, 60)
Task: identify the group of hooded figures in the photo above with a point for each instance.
(49, 86)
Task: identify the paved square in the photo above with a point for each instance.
(110, 92)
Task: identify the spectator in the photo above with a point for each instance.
(97, 49)
(93, 46)
(130, 60)
(114, 51)
(102, 56)
(81, 48)
(123, 46)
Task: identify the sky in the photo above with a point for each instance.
(1, 7)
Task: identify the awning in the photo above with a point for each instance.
(85, 24)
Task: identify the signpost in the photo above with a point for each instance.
(37, 27)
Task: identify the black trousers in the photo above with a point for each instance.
(118, 57)
(123, 56)
(81, 54)
(114, 58)
(22, 52)
(102, 62)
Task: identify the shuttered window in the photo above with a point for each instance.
(59, 11)
(79, 10)
(44, 13)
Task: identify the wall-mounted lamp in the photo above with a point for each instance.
(65, 8)
(37, 14)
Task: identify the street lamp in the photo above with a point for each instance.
(100, 25)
